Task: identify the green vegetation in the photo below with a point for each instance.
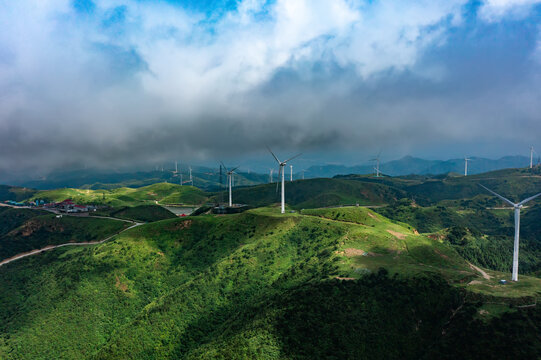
(483, 236)
(326, 283)
(164, 193)
(512, 183)
(15, 193)
(23, 230)
(143, 213)
(315, 193)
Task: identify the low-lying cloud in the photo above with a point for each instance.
(105, 83)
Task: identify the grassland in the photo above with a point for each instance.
(141, 213)
(15, 193)
(326, 283)
(315, 193)
(164, 193)
(22, 230)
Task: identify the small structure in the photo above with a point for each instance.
(503, 282)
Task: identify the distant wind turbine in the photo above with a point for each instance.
(517, 208)
(376, 168)
(466, 165)
(282, 164)
(303, 171)
(270, 175)
(532, 151)
(191, 178)
(230, 182)
(290, 172)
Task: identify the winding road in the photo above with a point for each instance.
(51, 247)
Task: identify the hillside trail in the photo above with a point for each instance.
(481, 271)
(51, 247)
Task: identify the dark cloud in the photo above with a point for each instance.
(107, 101)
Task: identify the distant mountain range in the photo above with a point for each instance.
(409, 165)
(209, 179)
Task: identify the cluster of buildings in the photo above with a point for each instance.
(68, 206)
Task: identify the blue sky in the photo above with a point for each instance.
(140, 81)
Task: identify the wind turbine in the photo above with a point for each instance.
(191, 178)
(282, 164)
(290, 172)
(517, 208)
(229, 182)
(270, 175)
(532, 151)
(303, 171)
(466, 165)
(376, 159)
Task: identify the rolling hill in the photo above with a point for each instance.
(313, 193)
(323, 283)
(15, 193)
(164, 193)
(23, 230)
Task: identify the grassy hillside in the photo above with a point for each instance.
(162, 192)
(15, 193)
(23, 230)
(314, 193)
(514, 184)
(261, 285)
(482, 235)
(143, 213)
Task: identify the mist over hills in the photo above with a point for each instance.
(409, 165)
(208, 178)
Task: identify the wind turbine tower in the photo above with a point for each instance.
(282, 164)
(290, 172)
(531, 156)
(376, 168)
(191, 178)
(517, 208)
(230, 182)
(466, 166)
(270, 175)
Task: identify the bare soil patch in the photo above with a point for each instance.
(354, 252)
(373, 216)
(440, 254)
(397, 234)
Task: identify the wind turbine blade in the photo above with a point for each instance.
(498, 195)
(224, 166)
(296, 156)
(528, 199)
(275, 158)
(235, 168)
(278, 182)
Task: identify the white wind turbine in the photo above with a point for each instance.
(517, 208)
(270, 175)
(532, 151)
(290, 172)
(376, 159)
(230, 182)
(303, 171)
(282, 164)
(466, 165)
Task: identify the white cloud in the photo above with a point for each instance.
(161, 67)
(494, 10)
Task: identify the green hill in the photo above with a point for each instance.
(15, 193)
(161, 192)
(23, 230)
(143, 213)
(326, 283)
(314, 193)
